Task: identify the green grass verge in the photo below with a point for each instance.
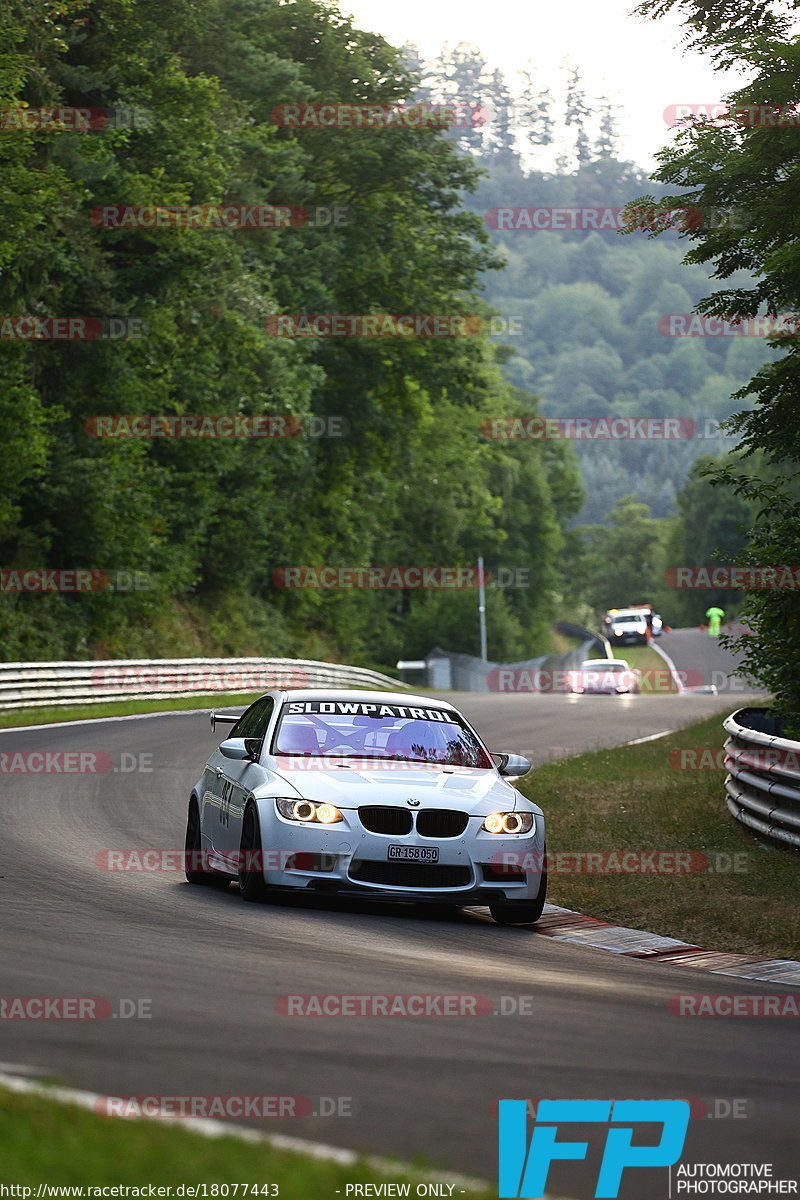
(118, 708)
(561, 643)
(44, 1141)
(631, 798)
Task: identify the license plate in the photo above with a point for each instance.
(429, 854)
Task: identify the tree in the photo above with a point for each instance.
(606, 144)
(577, 114)
(620, 563)
(711, 529)
(500, 129)
(461, 75)
(726, 33)
(745, 168)
(535, 107)
(419, 69)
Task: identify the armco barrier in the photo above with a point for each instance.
(763, 786)
(570, 630)
(447, 671)
(40, 684)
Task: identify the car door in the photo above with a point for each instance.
(238, 777)
(211, 787)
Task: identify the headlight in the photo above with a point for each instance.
(512, 822)
(307, 812)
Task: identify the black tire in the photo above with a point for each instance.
(521, 912)
(251, 883)
(193, 846)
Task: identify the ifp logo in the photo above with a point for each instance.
(523, 1169)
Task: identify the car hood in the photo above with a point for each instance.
(474, 791)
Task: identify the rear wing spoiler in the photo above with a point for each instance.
(225, 718)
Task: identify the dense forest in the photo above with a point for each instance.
(386, 463)
(588, 307)
(204, 524)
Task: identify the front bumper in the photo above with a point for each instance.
(348, 860)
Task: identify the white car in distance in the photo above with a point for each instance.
(606, 676)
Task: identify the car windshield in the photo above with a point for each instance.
(605, 666)
(355, 729)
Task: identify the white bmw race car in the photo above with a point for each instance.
(605, 676)
(369, 794)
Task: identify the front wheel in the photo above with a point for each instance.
(251, 882)
(521, 912)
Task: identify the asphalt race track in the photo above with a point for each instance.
(702, 660)
(213, 968)
(544, 727)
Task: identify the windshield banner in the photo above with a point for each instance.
(360, 708)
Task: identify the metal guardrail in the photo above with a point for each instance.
(763, 784)
(52, 684)
(579, 631)
(449, 671)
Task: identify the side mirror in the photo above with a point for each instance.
(513, 765)
(235, 748)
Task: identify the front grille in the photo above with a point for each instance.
(441, 822)
(409, 874)
(381, 819)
